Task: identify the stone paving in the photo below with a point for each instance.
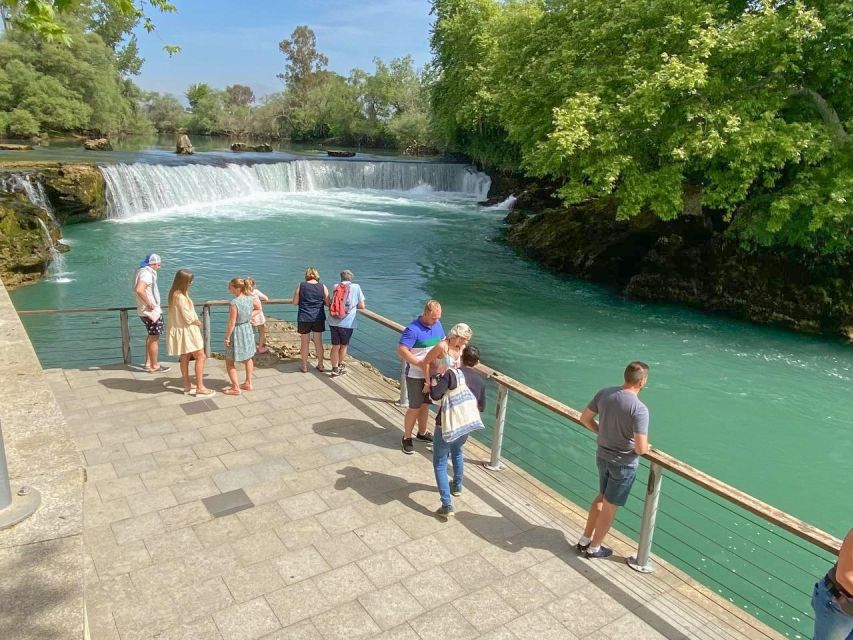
(342, 542)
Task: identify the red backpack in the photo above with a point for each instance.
(340, 300)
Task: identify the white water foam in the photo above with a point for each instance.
(145, 188)
(56, 267)
(506, 205)
(30, 187)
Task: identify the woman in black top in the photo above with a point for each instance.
(311, 296)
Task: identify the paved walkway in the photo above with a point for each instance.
(342, 541)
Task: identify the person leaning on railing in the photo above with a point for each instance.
(833, 597)
(622, 429)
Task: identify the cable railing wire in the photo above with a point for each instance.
(540, 421)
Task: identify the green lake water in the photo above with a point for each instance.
(767, 411)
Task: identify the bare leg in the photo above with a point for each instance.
(231, 369)
(342, 354)
(262, 334)
(185, 371)
(603, 523)
(250, 369)
(334, 355)
(303, 350)
(318, 346)
(200, 359)
(423, 417)
(594, 511)
(409, 422)
(151, 349)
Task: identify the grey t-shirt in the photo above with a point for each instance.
(621, 414)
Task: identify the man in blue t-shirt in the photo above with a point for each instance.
(342, 328)
(623, 436)
(422, 334)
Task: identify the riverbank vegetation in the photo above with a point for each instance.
(74, 74)
(697, 151)
(738, 111)
(388, 107)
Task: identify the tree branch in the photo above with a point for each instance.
(829, 115)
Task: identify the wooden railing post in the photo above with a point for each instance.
(205, 328)
(125, 336)
(642, 562)
(495, 464)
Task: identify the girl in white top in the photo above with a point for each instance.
(258, 319)
(447, 354)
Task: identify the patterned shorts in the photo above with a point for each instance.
(154, 327)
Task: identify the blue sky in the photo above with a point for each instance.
(236, 41)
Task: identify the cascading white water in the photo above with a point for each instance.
(56, 266)
(138, 188)
(33, 189)
(506, 205)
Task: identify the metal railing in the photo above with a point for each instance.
(698, 499)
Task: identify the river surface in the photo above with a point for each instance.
(767, 411)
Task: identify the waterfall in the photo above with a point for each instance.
(138, 188)
(33, 189)
(506, 205)
(56, 267)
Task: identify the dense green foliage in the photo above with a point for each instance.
(79, 84)
(389, 107)
(738, 108)
(47, 19)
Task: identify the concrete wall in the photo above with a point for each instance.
(41, 558)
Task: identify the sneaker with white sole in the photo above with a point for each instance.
(445, 511)
(602, 552)
(408, 447)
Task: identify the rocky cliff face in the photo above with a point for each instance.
(24, 247)
(693, 262)
(72, 193)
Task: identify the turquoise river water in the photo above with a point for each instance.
(767, 411)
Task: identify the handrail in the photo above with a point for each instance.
(767, 512)
(208, 303)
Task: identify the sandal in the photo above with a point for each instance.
(207, 393)
(231, 392)
(320, 368)
(191, 391)
(304, 368)
(246, 387)
(160, 369)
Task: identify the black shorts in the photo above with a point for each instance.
(318, 326)
(154, 327)
(415, 389)
(341, 335)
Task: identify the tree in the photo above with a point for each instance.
(66, 87)
(164, 111)
(206, 105)
(46, 18)
(239, 95)
(303, 59)
(738, 109)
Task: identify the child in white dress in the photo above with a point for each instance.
(258, 320)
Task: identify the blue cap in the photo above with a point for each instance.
(151, 258)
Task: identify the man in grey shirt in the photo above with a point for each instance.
(623, 429)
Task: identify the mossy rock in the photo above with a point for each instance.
(24, 252)
(77, 192)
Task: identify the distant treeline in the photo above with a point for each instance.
(74, 74)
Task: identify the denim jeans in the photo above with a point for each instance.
(441, 451)
(830, 622)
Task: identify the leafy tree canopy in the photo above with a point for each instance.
(740, 107)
